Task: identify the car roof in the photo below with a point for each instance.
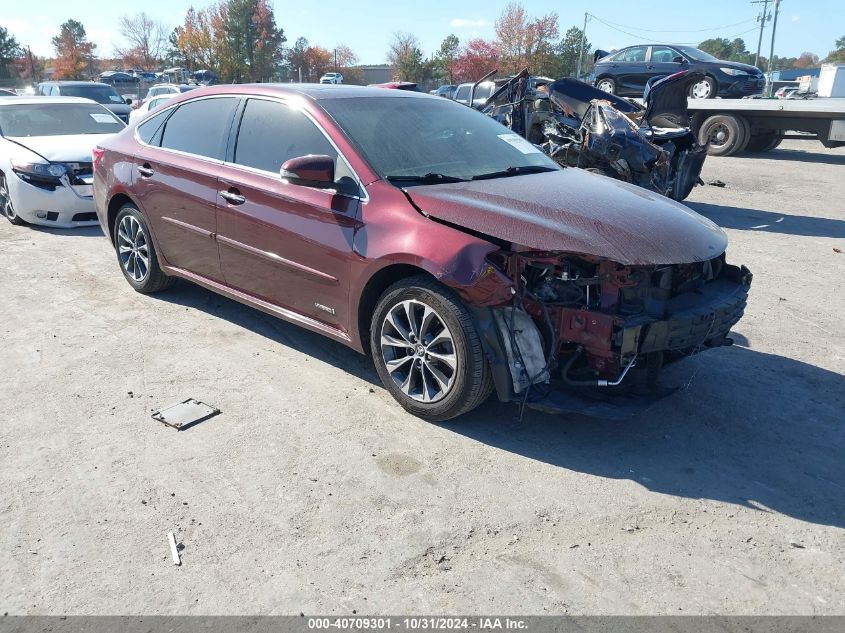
(315, 92)
(51, 100)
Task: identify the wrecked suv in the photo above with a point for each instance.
(424, 233)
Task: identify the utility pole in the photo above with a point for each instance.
(774, 29)
(581, 48)
(762, 19)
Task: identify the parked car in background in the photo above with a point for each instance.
(149, 104)
(455, 252)
(45, 158)
(397, 85)
(99, 92)
(483, 91)
(118, 77)
(206, 77)
(625, 72)
(786, 92)
(331, 78)
(7, 93)
(447, 91)
(169, 89)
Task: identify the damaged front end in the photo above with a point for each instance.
(578, 125)
(587, 335)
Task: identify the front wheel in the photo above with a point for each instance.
(427, 352)
(136, 253)
(704, 89)
(6, 206)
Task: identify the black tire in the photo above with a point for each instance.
(765, 142)
(469, 384)
(6, 206)
(145, 278)
(712, 88)
(609, 84)
(723, 134)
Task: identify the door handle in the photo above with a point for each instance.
(232, 196)
(145, 170)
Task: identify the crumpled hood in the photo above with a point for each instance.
(577, 212)
(75, 148)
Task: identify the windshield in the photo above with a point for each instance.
(696, 54)
(418, 137)
(57, 119)
(98, 93)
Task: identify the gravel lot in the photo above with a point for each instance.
(314, 492)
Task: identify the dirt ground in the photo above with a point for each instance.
(314, 492)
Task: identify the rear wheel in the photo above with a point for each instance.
(136, 253)
(426, 350)
(723, 134)
(6, 206)
(607, 84)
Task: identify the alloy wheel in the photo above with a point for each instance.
(419, 351)
(6, 206)
(702, 89)
(133, 248)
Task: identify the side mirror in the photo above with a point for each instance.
(314, 170)
(679, 60)
(128, 101)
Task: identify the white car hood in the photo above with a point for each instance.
(75, 148)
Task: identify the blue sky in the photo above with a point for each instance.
(367, 26)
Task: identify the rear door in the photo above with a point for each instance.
(176, 180)
(286, 244)
(630, 70)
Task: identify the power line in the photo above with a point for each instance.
(640, 38)
(635, 28)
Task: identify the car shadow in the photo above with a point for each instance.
(80, 231)
(798, 155)
(749, 428)
(275, 329)
(745, 219)
(752, 429)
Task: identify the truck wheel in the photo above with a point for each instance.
(724, 134)
(766, 142)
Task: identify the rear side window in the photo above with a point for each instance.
(200, 127)
(634, 54)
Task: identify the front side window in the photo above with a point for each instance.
(199, 127)
(271, 133)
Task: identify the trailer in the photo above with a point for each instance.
(728, 126)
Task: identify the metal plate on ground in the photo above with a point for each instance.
(186, 413)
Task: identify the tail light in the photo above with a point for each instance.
(96, 155)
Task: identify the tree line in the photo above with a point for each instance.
(241, 41)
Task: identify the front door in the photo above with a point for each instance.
(286, 244)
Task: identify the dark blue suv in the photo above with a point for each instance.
(626, 72)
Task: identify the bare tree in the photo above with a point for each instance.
(146, 38)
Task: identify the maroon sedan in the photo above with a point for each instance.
(423, 233)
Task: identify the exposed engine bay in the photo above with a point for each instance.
(578, 125)
(592, 325)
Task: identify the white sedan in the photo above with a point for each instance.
(150, 104)
(46, 174)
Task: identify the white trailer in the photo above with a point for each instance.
(728, 126)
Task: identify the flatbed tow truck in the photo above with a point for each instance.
(728, 126)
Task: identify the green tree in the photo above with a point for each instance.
(9, 51)
(837, 56)
(567, 51)
(446, 56)
(406, 57)
(254, 41)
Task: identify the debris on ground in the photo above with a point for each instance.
(184, 414)
(174, 551)
(716, 183)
